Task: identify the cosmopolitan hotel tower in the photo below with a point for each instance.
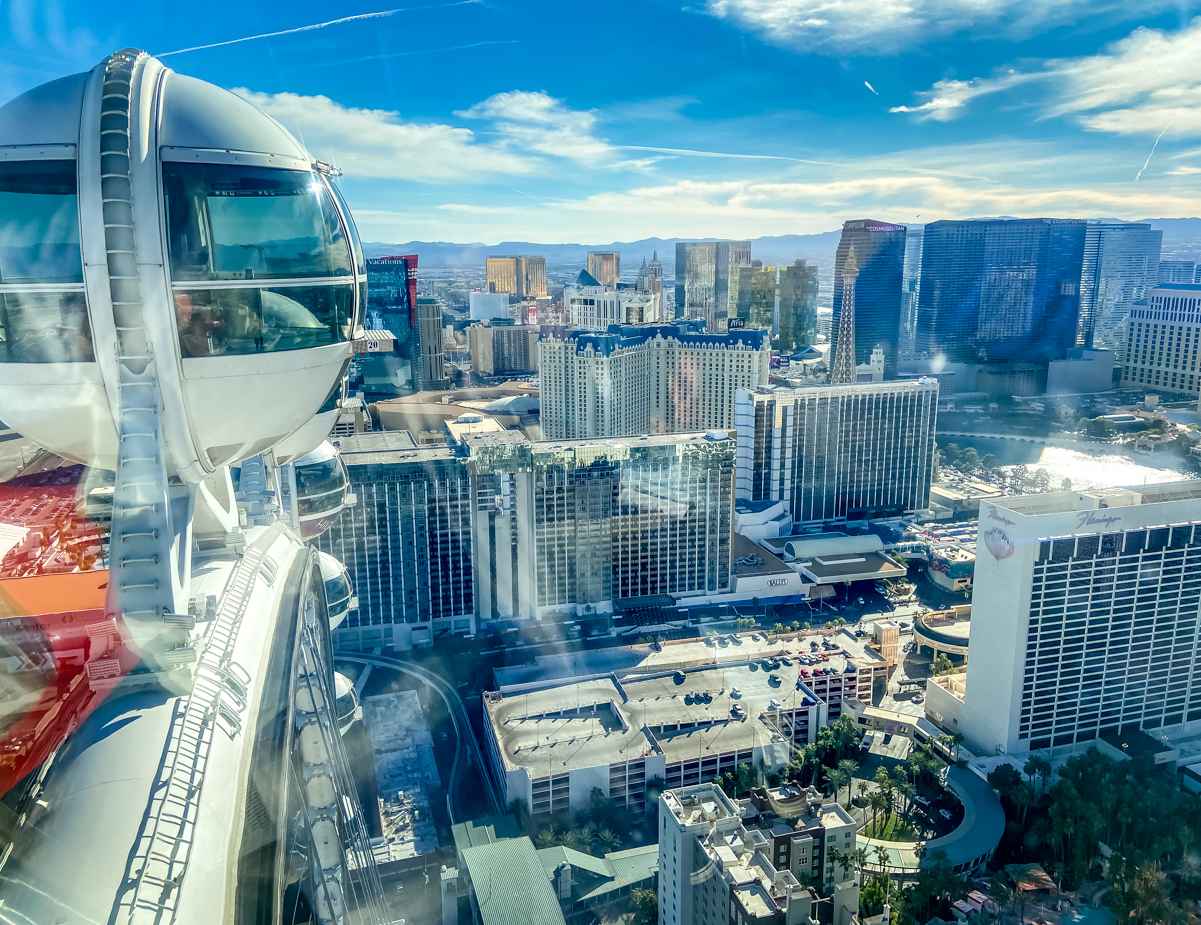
(840, 452)
(646, 379)
(1085, 619)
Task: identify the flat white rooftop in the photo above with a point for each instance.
(1067, 502)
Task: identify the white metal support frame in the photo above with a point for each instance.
(151, 534)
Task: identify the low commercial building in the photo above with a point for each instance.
(949, 551)
(507, 884)
(1081, 372)
(945, 631)
(717, 866)
(761, 520)
(582, 884)
(962, 496)
(830, 559)
(695, 710)
(586, 884)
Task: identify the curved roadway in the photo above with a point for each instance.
(971, 843)
(458, 717)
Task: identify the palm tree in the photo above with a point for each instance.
(876, 801)
(859, 858)
(848, 767)
(837, 780)
(1001, 893)
(882, 861)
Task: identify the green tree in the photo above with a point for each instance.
(645, 905)
(1143, 897)
(848, 768)
(942, 664)
(1037, 767)
(877, 803)
(838, 780)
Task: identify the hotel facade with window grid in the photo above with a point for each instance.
(406, 544)
(1163, 341)
(569, 527)
(839, 452)
(646, 379)
(1085, 617)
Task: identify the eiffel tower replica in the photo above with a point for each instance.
(842, 369)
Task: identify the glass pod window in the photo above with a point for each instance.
(43, 310)
(259, 260)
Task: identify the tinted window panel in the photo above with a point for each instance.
(227, 222)
(44, 327)
(215, 322)
(39, 223)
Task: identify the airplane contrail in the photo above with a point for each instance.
(1147, 163)
(868, 84)
(422, 51)
(313, 27)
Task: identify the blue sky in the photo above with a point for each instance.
(563, 120)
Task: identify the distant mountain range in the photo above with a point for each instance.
(1181, 238)
(773, 249)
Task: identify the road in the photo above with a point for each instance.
(458, 717)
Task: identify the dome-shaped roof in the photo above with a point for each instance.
(45, 115)
(197, 114)
(331, 568)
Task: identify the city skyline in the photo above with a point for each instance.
(948, 112)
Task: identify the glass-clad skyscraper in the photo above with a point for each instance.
(1120, 263)
(797, 315)
(707, 280)
(911, 280)
(1000, 289)
(878, 250)
(391, 303)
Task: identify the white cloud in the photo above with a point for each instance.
(890, 25)
(1142, 84)
(944, 101)
(1146, 65)
(377, 143)
(540, 122)
(1184, 170)
(748, 208)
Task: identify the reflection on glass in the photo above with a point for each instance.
(39, 227)
(216, 322)
(227, 222)
(360, 260)
(44, 327)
